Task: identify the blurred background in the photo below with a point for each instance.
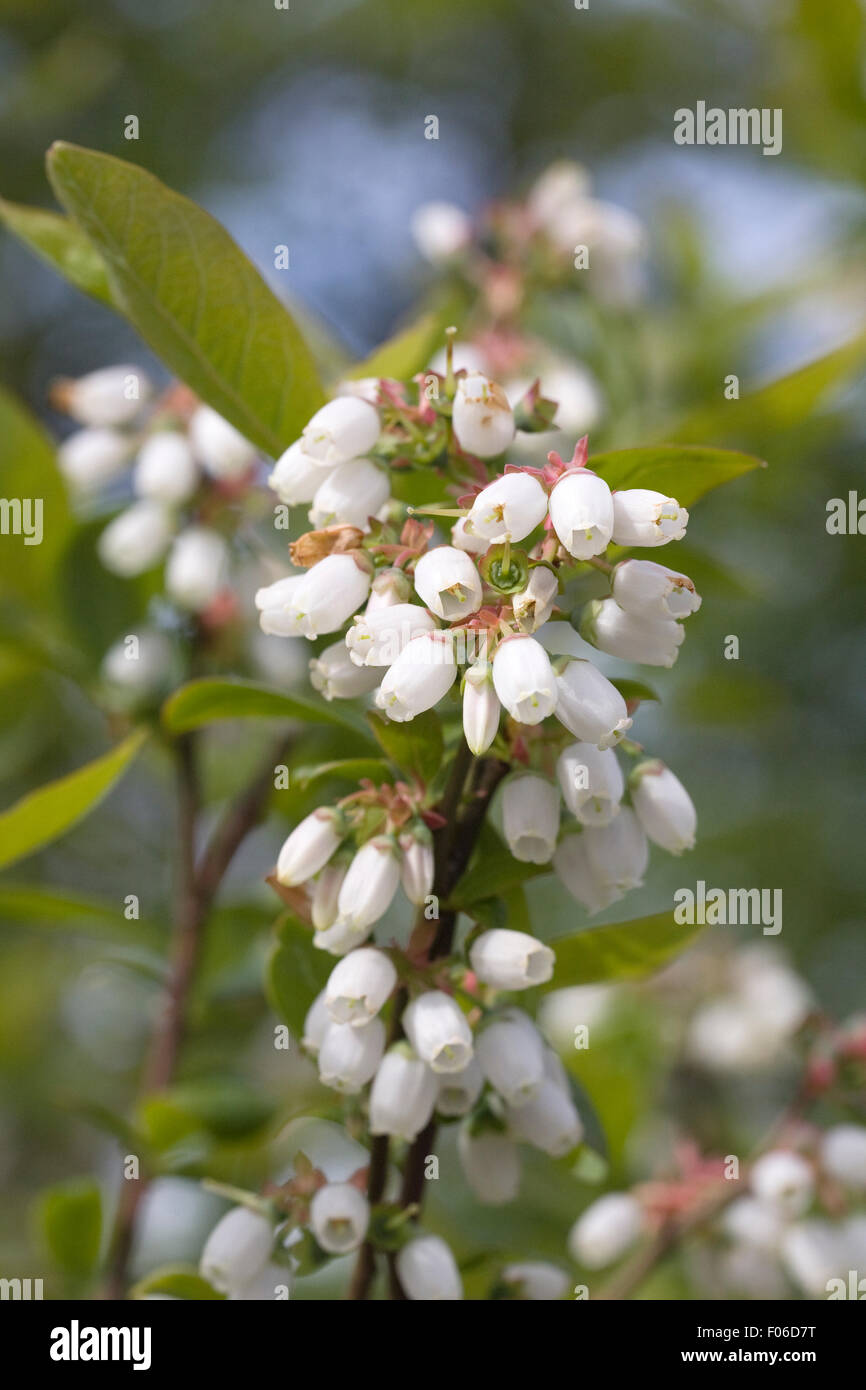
(305, 127)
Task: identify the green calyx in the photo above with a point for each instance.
(506, 570)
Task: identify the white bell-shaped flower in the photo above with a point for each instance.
(349, 1057)
(136, 539)
(330, 592)
(491, 1165)
(530, 817)
(377, 638)
(644, 517)
(590, 706)
(166, 470)
(663, 806)
(370, 884)
(346, 428)
(428, 1272)
(423, 673)
(296, 477)
(509, 508)
(654, 642)
(618, 853)
(458, 1091)
(510, 1054)
(402, 1095)
(359, 985)
(592, 782)
(482, 418)
(197, 568)
(511, 959)
(548, 1120)
(310, 846)
(350, 495)
(448, 582)
(337, 677)
(339, 1217)
(90, 459)
(436, 1027)
(606, 1230)
(523, 679)
(236, 1250)
(222, 451)
(581, 509)
(653, 591)
(481, 707)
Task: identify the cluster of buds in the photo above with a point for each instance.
(182, 462)
(798, 1222)
(558, 228)
(475, 611)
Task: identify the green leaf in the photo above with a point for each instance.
(210, 699)
(193, 295)
(46, 814)
(408, 352)
(296, 973)
(782, 404)
(70, 1217)
(64, 911)
(495, 871)
(416, 746)
(347, 769)
(621, 951)
(62, 244)
(177, 1281)
(28, 470)
(634, 690)
(226, 1107)
(683, 471)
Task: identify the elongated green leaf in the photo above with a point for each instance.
(683, 471)
(176, 1281)
(406, 353)
(46, 814)
(63, 911)
(210, 699)
(416, 746)
(781, 404)
(192, 294)
(62, 244)
(350, 769)
(28, 471)
(71, 1219)
(495, 872)
(296, 973)
(621, 951)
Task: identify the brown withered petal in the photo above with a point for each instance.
(313, 546)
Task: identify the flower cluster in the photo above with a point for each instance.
(182, 458)
(559, 227)
(478, 610)
(798, 1221)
